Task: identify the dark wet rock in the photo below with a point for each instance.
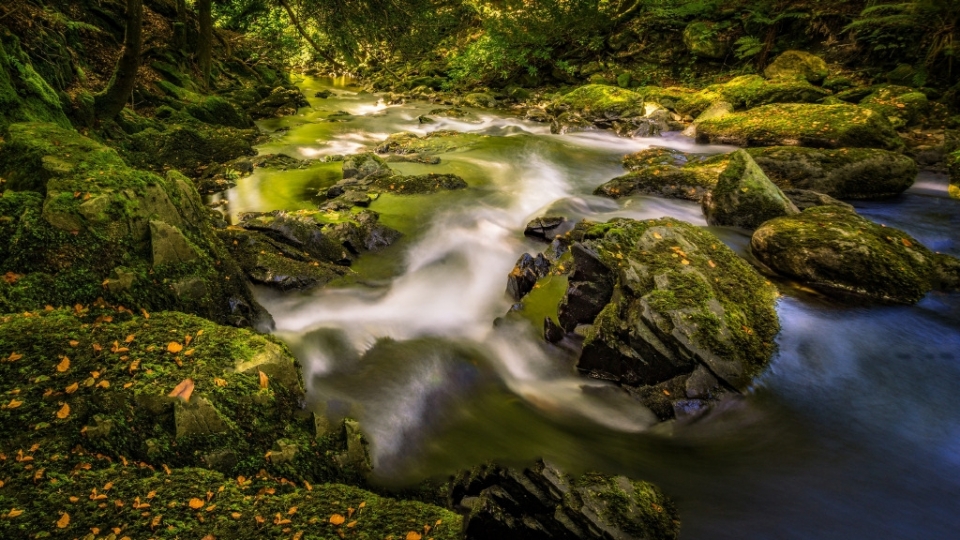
(420, 183)
(542, 502)
(804, 198)
(657, 299)
(269, 262)
(323, 94)
(412, 158)
(847, 173)
(816, 126)
(665, 173)
(546, 227)
(744, 196)
(525, 274)
(552, 332)
(280, 102)
(300, 231)
(423, 119)
(361, 166)
(536, 114)
(838, 251)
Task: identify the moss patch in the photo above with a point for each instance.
(24, 95)
(437, 142)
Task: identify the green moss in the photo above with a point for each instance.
(187, 146)
(797, 65)
(744, 196)
(837, 250)
(599, 101)
(436, 142)
(901, 105)
(666, 173)
(219, 111)
(24, 95)
(822, 126)
(637, 508)
(953, 163)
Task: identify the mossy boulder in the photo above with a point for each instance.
(798, 65)
(818, 126)
(837, 251)
(24, 95)
(218, 111)
(660, 300)
(436, 142)
(901, 105)
(594, 104)
(267, 261)
(704, 39)
(750, 91)
(188, 146)
(744, 196)
(281, 101)
(541, 502)
(79, 224)
(846, 173)
(666, 173)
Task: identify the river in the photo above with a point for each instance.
(852, 432)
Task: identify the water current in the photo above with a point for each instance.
(852, 432)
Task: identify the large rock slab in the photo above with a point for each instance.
(816, 126)
(744, 196)
(797, 65)
(838, 251)
(658, 299)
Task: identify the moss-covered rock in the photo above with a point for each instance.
(436, 142)
(836, 250)
(602, 101)
(744, 196)
(846, 173)
(281, 101)
(24, 95)
(818, 126)
(797, 65)
(188, 146)
(953, 163)
(750, 91)
(901, 105)
(83, 225)
(666, 173)
(662, 299)
(218, 111)
(703, 38)
(542, 502)
(269, 262)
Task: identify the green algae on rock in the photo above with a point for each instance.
(435, 142)
(846, 173)
(663, 299)
(666, 173)
(25, 96)
(797, 65)
(744, 196)
(836, 250)
(901, 105)
(818, 126)
(83, 225)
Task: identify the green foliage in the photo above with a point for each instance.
(747, 47)
(926, 30)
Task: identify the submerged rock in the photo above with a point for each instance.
(817, 126)
(542, 502)
(846, 173)
(545, 227)
(744, 196)
(436, 142)
(656, 299)
(836, 250)
(525, 274)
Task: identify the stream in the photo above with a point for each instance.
(853, 431)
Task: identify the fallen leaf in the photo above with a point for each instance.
(103, 384)
(14, 357)
(174, 347)
(292, 511)
(63, 365)
(14, 513)
(183, 390)
(13, 404)
(337, 519)
(64, 521)
(196, 504)
(236, 515)
(129, 339)
(352, 524)
(187, 339)
(362, 505)
(63, 412)
(219, 382)
(413, 535)
(72, 388)
(264, 380)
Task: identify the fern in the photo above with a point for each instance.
(747, 46)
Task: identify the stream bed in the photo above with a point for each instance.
(853, 431)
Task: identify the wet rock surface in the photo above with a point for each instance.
(744, 196)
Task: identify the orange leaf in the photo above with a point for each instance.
(264, 380)
(64, 521)
(129, 339)
(350, 512)
(72, 388)
(174, 347)
(352, 524)
(13, 404)
(183, 390)
(413, 535)
(103, 384)
(63, 412)
(14, 513)
(337, 519)
(63, 365)
(196, 504)
(236, 515)
(292, 511)
(307, 485)
(145, 314)
(219, 382)
(14, 357)
(187, 339)
(362, 505)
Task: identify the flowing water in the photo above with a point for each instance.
(852, 432)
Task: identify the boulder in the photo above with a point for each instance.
(846, 173)
(837, 251)
(169, 245)
(664, 173)
(272, 263)
(436, 142)
(542, 502)
(360, 166)
(744, 197)
(595, 104)
(703, 39)
(656, 299)
(545, 227)
(804, 198)
(281, 101)
(748, 91)
(901, 105)
(817, 126)
(797, 65)
(197, 417)
(525, 274)
(480, 100)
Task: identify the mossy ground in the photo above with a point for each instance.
(819, 126)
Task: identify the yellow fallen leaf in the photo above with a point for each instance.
(196, 504)
(187, 339)
(352, 524)
(74, 343)
(72, 388)
(413, 535)
(63, 412)
(337, 519)
(362, 505)
(174, 347)
(219, 382)
(64, 521)
(14, 513)
(264, 380)
(103, 384)
(13, 404)
(236, 515)
(14, 357)
(183, 390)
(129, 339)
(63, 365)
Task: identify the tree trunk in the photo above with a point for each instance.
(303, 32)
(111, 101)
(205, 45)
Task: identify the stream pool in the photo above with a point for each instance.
(852, 432)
